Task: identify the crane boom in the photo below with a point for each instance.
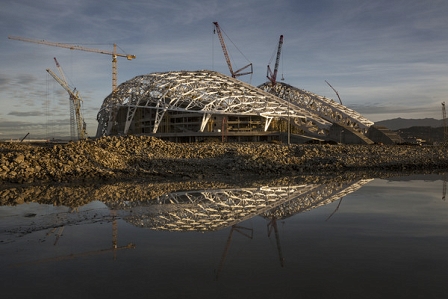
(334, 91)
(61, 72)
(72, 107)
(62, 83)
(113, 53)
(227, 57)
(272, 76)
(74, 97)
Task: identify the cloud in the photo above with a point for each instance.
(4, 81)
(25, 79)
(26, 113)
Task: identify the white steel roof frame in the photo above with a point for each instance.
(328, 109)
(205, 92)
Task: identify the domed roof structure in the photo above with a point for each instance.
(207, 104)
(204, 93)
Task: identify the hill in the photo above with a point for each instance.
(402, 123)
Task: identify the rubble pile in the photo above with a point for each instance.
(133, 157)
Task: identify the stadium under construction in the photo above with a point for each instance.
(196, 106)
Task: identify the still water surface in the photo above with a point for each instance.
(378, 239)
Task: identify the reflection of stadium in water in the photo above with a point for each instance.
(211, 210)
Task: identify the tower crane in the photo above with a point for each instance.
(236, 73)
(272, 76)
(75, 98)
(114, 53)
(445, 128)
(71, 103)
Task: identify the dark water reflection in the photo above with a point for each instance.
(369, 238)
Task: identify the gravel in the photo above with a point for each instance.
(135, 157)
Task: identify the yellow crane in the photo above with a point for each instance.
(76, 99)
(114, 53)
(72, 106)
(445, 128)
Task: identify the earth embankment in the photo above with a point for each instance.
(136, 157)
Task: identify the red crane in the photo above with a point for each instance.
(237, 73)
(272, 76)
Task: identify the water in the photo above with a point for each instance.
(382, 238)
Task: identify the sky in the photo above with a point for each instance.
(386, 58)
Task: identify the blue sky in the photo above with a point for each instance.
(386, 58)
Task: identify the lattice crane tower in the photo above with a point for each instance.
(445, 129)
(114, 53)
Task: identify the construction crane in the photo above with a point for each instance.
(272, 76)
(71, 103)
(61, 72)
(75, 98)
(445, 128)
(238, 72)
(114, 53)
(334, 91)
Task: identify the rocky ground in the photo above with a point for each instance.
(144, 167)
(136, 157)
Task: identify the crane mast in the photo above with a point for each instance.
(74, 97)
(113, 53)
(72, 107)
(445, 128)
(272, 76)
(236, 73)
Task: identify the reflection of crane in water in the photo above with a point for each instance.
(247, 232)
(444, 187)
(58, 232)
(273, 225)
(212, 210)
(76, 255)
(335, 210)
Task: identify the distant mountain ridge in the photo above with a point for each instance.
(403, 123)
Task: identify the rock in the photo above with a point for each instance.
(19, 158)
(136, 156)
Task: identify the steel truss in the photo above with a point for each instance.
(328, 109)
(205, 92)
(211, 210)
(322, 195)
